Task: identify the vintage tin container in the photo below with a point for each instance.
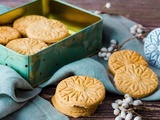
(85, 39)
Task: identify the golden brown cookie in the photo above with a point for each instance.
(49, 30)
(7, 34)
(78, 95)
(22, 23)
(124, 57)
(26, 46)
(83, 91)
(74, 111)
(137, 80)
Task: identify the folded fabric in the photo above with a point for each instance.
(16, 92)
(36, 109)
(19, 101)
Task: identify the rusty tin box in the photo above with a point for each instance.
(85, 39)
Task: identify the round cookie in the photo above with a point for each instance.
(26, 46)
(73, 111)
(78, 95)
(137, 80)
(124, 57)
(49, 30)
(80, 91)
(22, 23)
(152, 47)
(7, 34)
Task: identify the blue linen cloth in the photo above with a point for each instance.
(19, 101)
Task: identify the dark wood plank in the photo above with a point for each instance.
(145, 12)
(150, 110)
(14, 3)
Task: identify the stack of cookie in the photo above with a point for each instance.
(78, 96)
(32, 33)
(131, 74)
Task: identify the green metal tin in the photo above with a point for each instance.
(85, 39)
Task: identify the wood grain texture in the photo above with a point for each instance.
(150, 110)
(145, 12)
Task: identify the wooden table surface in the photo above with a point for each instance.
(145, 12)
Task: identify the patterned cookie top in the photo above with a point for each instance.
(22, 23)
(124, 57)
(152, 47)
(82, 91)
(26, 46)
(49, 31)
(137, 80)
(7, 34)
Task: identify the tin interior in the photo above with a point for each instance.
(75, 19)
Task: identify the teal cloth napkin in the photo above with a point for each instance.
(19, 101)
